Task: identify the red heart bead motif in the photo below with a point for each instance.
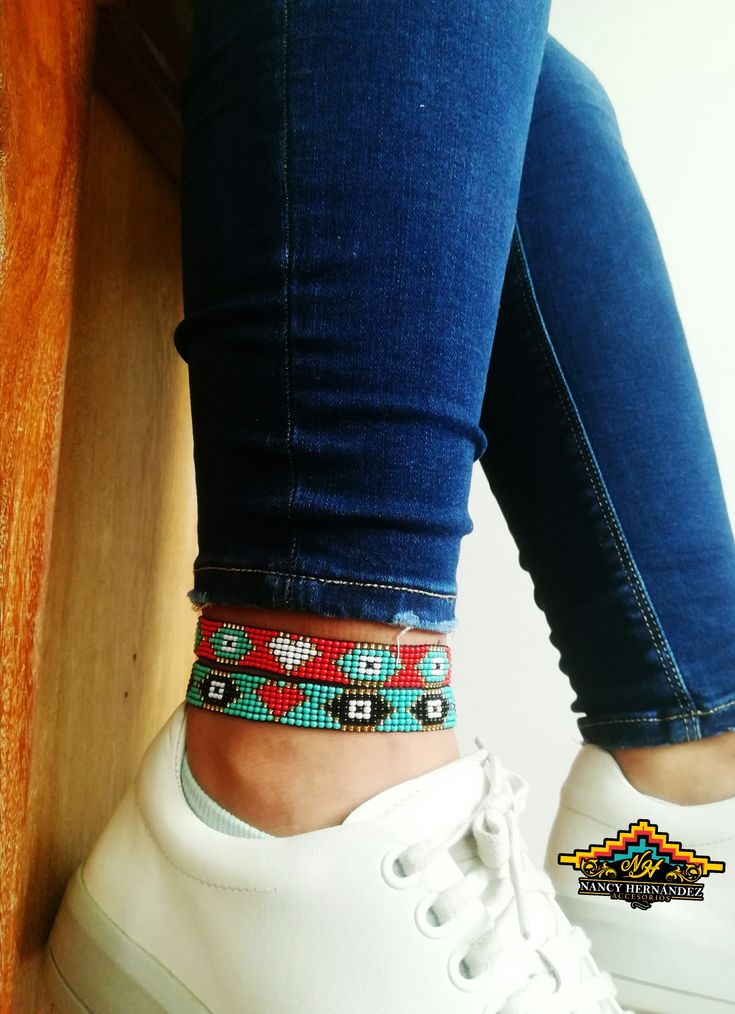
(280, 700)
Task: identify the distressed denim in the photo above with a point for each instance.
(411, 239)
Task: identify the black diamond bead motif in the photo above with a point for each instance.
(357, 709)
(217, 690)
(431, 709)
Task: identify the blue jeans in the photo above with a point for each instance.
(412, 240)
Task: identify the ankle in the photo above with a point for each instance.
(689, 774)
(287, 780)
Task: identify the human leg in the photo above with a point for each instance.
(349, 192)
(598, 446)
(347, 207)
(600, 457)
(349, 195)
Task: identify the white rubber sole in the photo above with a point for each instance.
(643, 998)
(93, 967)
(653, 975)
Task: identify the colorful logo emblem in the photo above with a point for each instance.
(641, 866)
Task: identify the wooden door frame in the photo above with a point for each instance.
(45, 73)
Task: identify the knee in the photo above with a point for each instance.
(570, 96)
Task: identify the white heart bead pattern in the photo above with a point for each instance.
(289, 653)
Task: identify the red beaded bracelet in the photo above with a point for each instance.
(321, 659)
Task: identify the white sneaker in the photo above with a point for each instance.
(675, 956)
(373, 916)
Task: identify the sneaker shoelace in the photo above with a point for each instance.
(553, 975)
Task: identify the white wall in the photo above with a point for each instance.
(668, 67)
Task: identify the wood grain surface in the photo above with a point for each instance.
(118, 631)
(45, 54)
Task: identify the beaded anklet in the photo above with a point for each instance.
(318, 682)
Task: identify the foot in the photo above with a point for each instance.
(421, 900)
(660, 921)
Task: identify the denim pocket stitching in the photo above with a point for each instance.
(663, 650)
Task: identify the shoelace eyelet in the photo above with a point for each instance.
(423, 915)
(390, 869)
(459, 976)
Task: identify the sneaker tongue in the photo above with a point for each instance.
(436, 800)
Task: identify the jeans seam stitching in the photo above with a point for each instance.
(590, 466)
(682, 716)
(328, 580)
(287, 286)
